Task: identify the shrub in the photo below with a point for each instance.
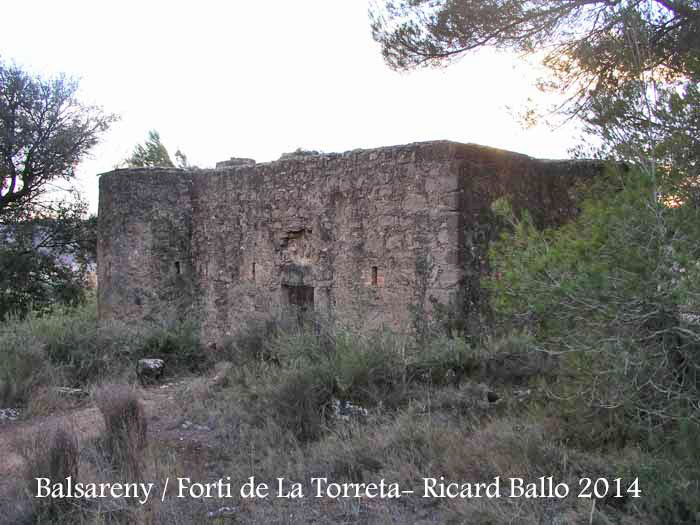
(23, 366)
(125, 427)
(441, 359)
(74, 342)
(65, 348)
(300, 401)
(176, 343)
(53, 455)
(36, 281)
(367, 368)
(669, 478)
(294, 372)
(252, 342)
(69, 347)
(608, 292)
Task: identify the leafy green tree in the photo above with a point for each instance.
(153, 153)
(45, 261)
(46, 245)
(150, 153)
(44, 133)
(585, 41)
(628, 69)
(616, 295)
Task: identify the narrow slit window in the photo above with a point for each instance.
(178, 270)
(374, 276)
(252, 273)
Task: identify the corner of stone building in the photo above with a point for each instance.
(143, 251)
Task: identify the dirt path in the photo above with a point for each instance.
(86, 423)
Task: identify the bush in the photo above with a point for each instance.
(610, 292)
(293, 375)
(71, 348)
(176, 343)
(366, 368)
(23, 366)
(671, 476)
(74, 342)
(37, 282)
(54, 455)
(125, 428)
(441, 360)
(300, 401)
(66, 348)
(251, 343)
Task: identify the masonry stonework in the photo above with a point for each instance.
(369, 238)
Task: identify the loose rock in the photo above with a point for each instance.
(9, 414)
(75, 393)
(344, 410)
(150, 370)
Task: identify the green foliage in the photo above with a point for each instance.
(27, 347)
(69, 347)
(613, 292)
(46, 244)
(74, 344)
(46, 259)
(674, 476)
(628, 70)
(252, 342)
(299, 400)
(35, 281)
(441, 360)
(23, 367)
(292, 373)
(368, 370)
(364, 368)
(176, 343)
(150, 153)
(153, 153)
(593, 37)
(44, 133)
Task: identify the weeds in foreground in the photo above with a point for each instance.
(270, 415)
(125, 429)
(52, 456)
(69, 348)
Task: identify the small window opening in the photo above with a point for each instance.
(177, 268)
(253, 272)
(374, 276)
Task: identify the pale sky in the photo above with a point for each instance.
(263, 77)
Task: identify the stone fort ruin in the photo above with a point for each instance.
(369, 237)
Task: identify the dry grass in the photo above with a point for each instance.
(429, 438)
(430, 415)
(45, 401)
(125, 428)
(54, 455)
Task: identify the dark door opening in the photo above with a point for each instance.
(300, 299)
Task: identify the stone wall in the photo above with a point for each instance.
(368, 237)
(144, 260)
